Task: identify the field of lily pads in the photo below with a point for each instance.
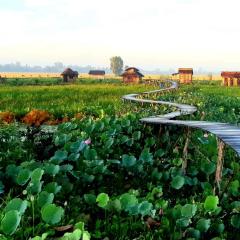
(105, 175)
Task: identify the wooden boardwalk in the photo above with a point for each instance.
(228, 133)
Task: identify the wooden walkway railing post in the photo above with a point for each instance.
(185, 150)
(219, 168)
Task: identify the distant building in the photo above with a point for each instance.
(100, 74)
(132, 75)
(69, 75)
(230, 78)
(184, 75)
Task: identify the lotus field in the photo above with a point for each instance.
(76, 163)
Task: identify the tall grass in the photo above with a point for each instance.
(66, 100)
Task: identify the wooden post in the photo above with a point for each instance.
(218, 174)
(185, 150)
(160, 130)
(225, 82)
(228, 82)
(238, 81)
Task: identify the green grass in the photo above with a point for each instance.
(66, 100)
(48, 81)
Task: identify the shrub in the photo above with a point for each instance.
(7, 117)
(36, 117)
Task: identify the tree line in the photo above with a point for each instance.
(116, 67)
(55, 68)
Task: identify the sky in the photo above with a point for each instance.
(148, 34)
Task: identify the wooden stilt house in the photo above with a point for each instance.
(230, 78)
(185, 75)
(132, 75)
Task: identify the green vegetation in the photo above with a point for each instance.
(48, 81)
(214, 102)
(110, 177)
(66, 100)
(31, 81)
(116, 65)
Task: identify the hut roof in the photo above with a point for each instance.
(132, 71)
(230, 74)
(185, 70)
(138, 74)
(96, 72)
(132, 68)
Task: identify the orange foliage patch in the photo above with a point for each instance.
(36, 117)
(7, 117)
(79, 116)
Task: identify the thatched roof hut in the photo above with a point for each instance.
(69, 75)
(132, 75)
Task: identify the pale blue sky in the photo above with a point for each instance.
(148, 34)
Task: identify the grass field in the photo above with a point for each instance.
(66, 100)
(48, 81)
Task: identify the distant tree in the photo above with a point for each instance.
(116, 65)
